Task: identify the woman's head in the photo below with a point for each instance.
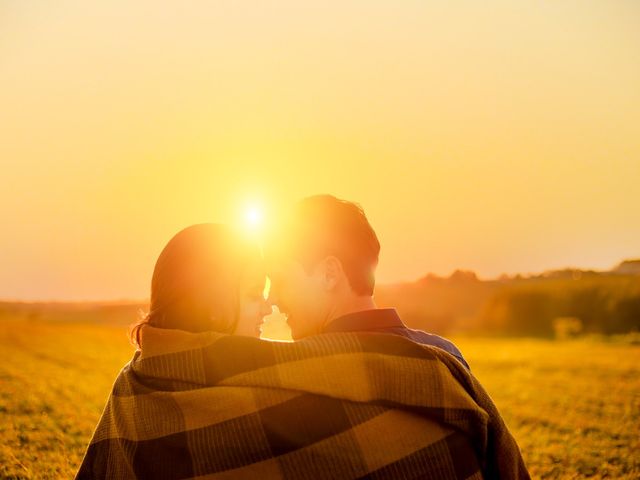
(207, 278)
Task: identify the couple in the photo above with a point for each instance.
(358, 394)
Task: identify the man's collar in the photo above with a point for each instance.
(375, 319)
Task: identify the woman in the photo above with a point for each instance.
(197, 402)
(207, 278)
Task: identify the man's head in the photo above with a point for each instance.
(323, 261)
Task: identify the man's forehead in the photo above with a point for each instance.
(277, 250)
(279, 265)
(277, 262)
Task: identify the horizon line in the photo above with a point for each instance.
(132, 301)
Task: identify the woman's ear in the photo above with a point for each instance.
(332, 272)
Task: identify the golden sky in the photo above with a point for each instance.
(497, 136)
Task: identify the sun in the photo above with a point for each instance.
(252, 220)
(253, 217)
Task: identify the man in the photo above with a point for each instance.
(323, 274)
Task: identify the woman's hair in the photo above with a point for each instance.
(196, 280)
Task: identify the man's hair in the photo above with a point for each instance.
(324, 225)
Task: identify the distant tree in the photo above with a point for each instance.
(628, 267)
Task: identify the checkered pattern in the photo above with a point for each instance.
(343, 405)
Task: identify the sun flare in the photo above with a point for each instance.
(253, 217)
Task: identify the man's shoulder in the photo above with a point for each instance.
(387, 320)
(426, 338)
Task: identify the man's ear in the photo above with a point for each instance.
(332, 272)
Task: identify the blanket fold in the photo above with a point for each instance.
(341, 405)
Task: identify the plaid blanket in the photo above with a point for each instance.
(343, 405)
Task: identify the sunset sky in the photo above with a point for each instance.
(495, 136)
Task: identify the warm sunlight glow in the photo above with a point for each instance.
(498, 137)
(253, 217)
(250, 220)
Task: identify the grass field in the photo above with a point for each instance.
(573, 406)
